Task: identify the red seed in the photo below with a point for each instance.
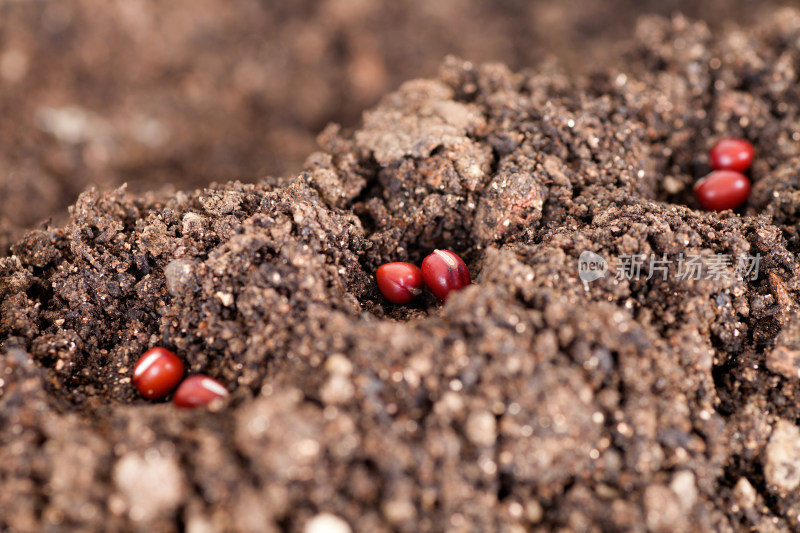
(198, 391)
(722, 189)
(400, 283)
(157, 372)
(443, 272)
(732, 154)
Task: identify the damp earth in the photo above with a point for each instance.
(531, 400)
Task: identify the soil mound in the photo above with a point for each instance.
(536, 398)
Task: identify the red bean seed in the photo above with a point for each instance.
(722, 189)
(731, 154)
(198, 391)
(443, 272)
(157, 372)
(399, 283)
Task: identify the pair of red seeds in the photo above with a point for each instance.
(726, 187)
(442, 271)
(159, 371)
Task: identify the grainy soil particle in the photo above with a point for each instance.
(531, 401)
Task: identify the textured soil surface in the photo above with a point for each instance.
(180, 94)
(530, 401)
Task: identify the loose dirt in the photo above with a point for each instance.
(532, 400)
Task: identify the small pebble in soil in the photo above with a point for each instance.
(731, 154)
(157, 372)
(400, 283)
(443, 272)
(326, 523)
(198, 391)
(722, 189)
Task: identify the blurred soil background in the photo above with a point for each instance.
(180, 94)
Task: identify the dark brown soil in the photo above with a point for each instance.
(531, 401)
(180, 94)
